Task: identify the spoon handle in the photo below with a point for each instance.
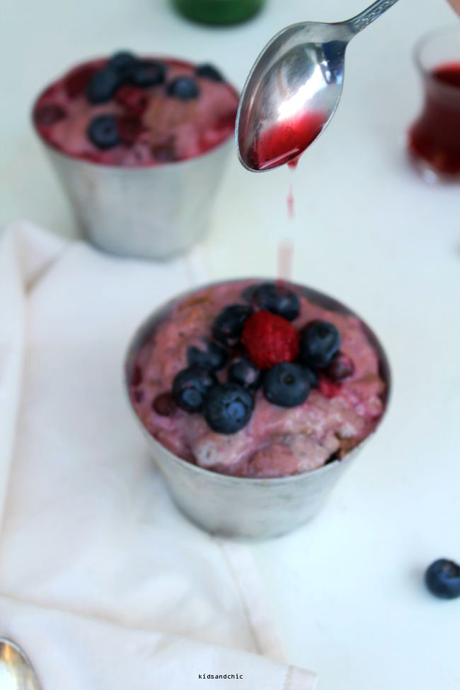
(362, 20)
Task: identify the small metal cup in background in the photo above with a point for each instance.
(149, 213)
(240, 507)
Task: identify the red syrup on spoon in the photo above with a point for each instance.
(434, 139)
(286, 140)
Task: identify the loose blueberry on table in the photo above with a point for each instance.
(255, 346)
(443, 579)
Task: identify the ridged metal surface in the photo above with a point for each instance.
(150, 213)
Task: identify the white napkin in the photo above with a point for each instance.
(102, 581)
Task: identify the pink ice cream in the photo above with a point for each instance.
(277, 441)
(164, 129)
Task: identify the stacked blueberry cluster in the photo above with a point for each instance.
(125, 78)
(259, 347)
(136, 111)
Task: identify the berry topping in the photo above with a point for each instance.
(319, 344)
(164, 405)
(209, 355)
(277, 298)
(312, 377)
(329, 388)
(248, 293)
(191, 386)
(122, 62)
(137, 376)
(286, 385)
(184, 88)
(103, 132)
(132, 98)
(229, 324)
(228, 408)
(208, 71)
(48, 114)
(270, 339)
(443, 579)
(129, 128)
(340, 368)
(244, 373)
(138, 395)
(102, 86)
(165, 151)
(77, 81)
(147, 73)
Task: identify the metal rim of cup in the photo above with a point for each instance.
(145, 330)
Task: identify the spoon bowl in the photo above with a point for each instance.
(16, 672)
(294, 88)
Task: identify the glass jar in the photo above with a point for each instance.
(434, 138)
(219, 11)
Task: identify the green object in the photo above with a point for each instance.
(219, 11)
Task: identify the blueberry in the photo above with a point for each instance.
(228, 408)
(286, 385)
(207, 71)
(228, 326)
(103, 132)
(341, 368)
(210, 355)
(184, 88)
(319, 344)
(312, 377)
(147, 73)
(244, 373)
(102, 86)
(248, 293)
(191, 386)
(278, 299)
(122, 62)
(443, 579)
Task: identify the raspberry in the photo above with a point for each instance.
(134, 100)
(270, 339)
(129, 129)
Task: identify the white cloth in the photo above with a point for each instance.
(102, 581)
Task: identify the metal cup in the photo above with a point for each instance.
(240, 507)
(149, 213)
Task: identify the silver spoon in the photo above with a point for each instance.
(294, 88)
(16, 672)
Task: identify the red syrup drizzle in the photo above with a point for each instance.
(284, 143)
(435, 137)
(290, 202)
(285, 257)
(290, 198)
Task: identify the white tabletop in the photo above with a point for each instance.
(347, 590)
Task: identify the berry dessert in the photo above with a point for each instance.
(136, 111)
(258, 379)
